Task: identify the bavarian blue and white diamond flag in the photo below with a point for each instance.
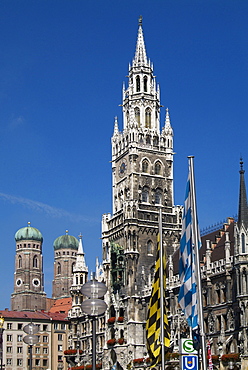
(187, 270)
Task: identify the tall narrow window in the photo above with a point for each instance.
(157, 168)
(35, 261)
(145, 84)
(145, 166)
(243, 242)
(145, 195)
(148, 118)
(137, 115)
(149, 247)
(19, 262)
(137, 83)
(158, 196)
(59, 268)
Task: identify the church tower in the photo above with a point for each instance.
(142, 179)
(28, 278)
(65, 255)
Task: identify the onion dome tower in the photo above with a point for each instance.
(65, 255)
(28, 277)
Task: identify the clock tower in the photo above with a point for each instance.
(142, 180)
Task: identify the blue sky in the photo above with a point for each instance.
(62, 67)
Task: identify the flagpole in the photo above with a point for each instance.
(162, 308)
(196, 238)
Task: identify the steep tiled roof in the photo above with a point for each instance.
(33, 315)
(62, 305)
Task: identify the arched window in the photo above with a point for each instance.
(137, 115)
(145, 195)
(158, 196)
(19, 261)
(145, 166)
(243, 242)
(137, 83)
(35, 261)
(157, 168)
(145, 84)
(59, 268)
(148, 114)
(149, 247)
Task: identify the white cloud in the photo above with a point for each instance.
(42, 207)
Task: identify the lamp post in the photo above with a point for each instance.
(31, 339)
(94, 306)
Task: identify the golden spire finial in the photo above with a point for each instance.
(66, 232)
(29, 223)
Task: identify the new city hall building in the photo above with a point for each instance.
(142, 179)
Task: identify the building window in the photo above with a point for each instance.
(37, 349)
(19, 326)
(243, 242)
(19, 362)
(157, 168)
(55, 326)
(9, 349)
(145, 166)
(145, 195)
(35, 261)
(145, 84)
(59, 269)
(44, 327)
(9, 361)
(137, 83)
(60, 358)
(148, 115)
(45, 350)
(60, 348)
(60, 337)
(19, 349)
(9, 337)
(149, 247)
(45, 362)
(158, 196)
(9, 326)
(19, 262)
(137, 115)
(62, 326)
(19, 338)
(37, 362)
(45, 339)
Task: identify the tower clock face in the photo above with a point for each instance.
(36, 282)
(19, 282)
(122, 168)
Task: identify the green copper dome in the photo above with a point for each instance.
(66, 242)
(28, 233)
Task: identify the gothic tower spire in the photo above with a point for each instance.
(243, 208)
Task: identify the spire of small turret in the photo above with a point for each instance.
(243, 208)
(80, 261)
(116, 128)
(140, 53)
(80, 246)
(167, 118)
